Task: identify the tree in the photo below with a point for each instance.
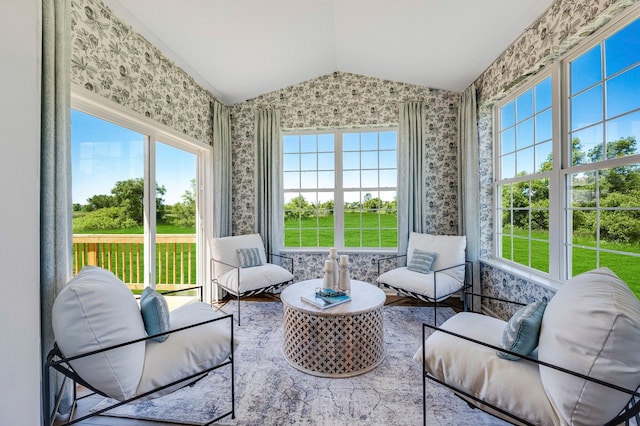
(298, 208)
(184, 213)
(129, 195)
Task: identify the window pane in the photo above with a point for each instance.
(524, 134)
(508, 166)
(351, 179)
(369, 141)
(586, 70)
(291, 143)
(586, 108)
(291, 162)
(309, 180)
(583, 260)
(326, 161)
(351, 142)
(623, 92)
(625, 266)
(508, 141)
(507, 115)
(388, 140)
(291, 180)
(525, 161)
(351, 160)
(543, 94)
(388, 160)
(325, 143)
(524, 105)
(544, 157)
(544, 126)
(540, 256)
(369, 178)
(388, 178)
(308, 161)
(369, 159)
(625, 127)
(587, 145)
(583, 189)
(326, 179)
(623, 48)
(308, 143)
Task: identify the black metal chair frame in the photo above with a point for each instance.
(465, 290)
(58, 362)
(631, 411)
(238, 294)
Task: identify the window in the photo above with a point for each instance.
(135, 188)
(596, 176)
(340, 189)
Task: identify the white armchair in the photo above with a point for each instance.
(436, 268)
(108, 344)
(573, 361)
(240, 266)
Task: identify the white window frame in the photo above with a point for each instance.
(559, 185)
(153, 132)
(338, 189)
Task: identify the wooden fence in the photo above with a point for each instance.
(123, 254)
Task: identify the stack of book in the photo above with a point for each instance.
(326, 298)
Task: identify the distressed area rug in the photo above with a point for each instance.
(271, 392)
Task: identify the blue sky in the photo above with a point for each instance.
(104, 153)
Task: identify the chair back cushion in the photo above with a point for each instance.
(93, 311)
(225, 249)
(591, 326)
(449, 250)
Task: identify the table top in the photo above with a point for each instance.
(364, 297)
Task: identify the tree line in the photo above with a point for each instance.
(617, 187)
(300, 208)
(123, 208)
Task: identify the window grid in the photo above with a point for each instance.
(597, 181)
(357, 199)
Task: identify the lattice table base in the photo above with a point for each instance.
(333, 345)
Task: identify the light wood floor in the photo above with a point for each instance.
(86, 404)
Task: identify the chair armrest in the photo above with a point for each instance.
(632, 393)
(484, 296)
(281, 256)
(385, 259)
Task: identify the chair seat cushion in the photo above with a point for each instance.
(422, 283)
(476, 369)
(186, 352)
(83, 321)
(255, 278)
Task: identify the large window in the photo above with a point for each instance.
(340, 189)
(580, 211)
(137, 207)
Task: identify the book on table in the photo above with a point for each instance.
(326, 298)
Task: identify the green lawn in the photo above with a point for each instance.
(361, 230)
(626, 267)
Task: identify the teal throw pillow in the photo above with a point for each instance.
(522, 332)
(249, 257)
(155, 313)
(421, 261)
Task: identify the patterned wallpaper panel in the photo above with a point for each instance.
(560, 28)
(347, 100)
(112, 60)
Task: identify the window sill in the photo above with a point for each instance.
(529, 275)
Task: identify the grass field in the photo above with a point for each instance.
(360, 230)
(626, 267)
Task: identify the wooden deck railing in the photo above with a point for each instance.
(123, 254)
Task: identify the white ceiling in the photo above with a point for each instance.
(239, 49)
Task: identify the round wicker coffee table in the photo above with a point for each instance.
(341, 341)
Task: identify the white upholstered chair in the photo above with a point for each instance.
(435, 268)
(241, 267)
(105, 342)
(576, 358)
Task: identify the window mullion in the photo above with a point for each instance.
(338, 209)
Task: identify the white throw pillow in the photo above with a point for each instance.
(225, 249)
(591, 326)
(93, 311)
(449, 249)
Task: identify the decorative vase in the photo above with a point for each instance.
(329, 279)
(333, 256)
(344, 278)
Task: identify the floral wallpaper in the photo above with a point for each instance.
(348, 100)
(112, 60)
(560, 28)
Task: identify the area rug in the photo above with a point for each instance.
(271, 392)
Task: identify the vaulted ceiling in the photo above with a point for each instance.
(239, 49)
